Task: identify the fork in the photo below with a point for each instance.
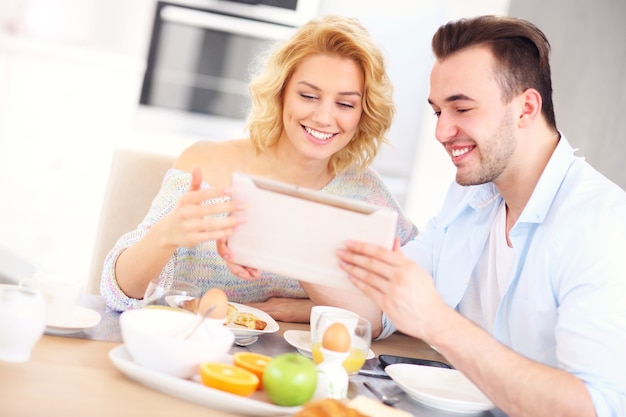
(385, 399)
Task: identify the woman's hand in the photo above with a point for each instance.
(240, 271)
(191, 222)
(292, 310)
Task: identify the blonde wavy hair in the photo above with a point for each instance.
(335, 36)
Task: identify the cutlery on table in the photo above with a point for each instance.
(385, 399)
(374, 373)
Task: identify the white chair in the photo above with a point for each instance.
(134, 180)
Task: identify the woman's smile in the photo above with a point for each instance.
(318, 135)
(322, 106)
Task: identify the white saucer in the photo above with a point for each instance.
(301, 340)
(82, 318)
(445, 389)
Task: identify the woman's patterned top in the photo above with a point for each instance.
(203, 266)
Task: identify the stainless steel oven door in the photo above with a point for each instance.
(199, 60)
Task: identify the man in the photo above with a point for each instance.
(520, 280)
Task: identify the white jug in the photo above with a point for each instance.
(22, 321)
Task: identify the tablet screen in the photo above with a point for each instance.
(296, 232)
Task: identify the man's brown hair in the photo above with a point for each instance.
(521, 50)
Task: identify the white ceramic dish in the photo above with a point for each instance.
(301, 340)
(82, 318)
(190, 390)
(445, 389)
(156, 339)
(244, 332)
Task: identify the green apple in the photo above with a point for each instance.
(290, 379)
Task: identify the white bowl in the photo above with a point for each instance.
(155, 340)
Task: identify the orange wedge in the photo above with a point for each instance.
(253, 362)
(228, 378)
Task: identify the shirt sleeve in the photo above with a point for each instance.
(591, 329)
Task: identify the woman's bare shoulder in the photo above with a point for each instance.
(216, 159)
(203, 152)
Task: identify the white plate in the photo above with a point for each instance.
(82, 318)
(190, 390)
(242, 331)
(445, 389)
(301, 340)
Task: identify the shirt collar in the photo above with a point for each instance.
(480, 196)
(549, 183)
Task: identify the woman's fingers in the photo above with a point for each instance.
(201, 196)
(211, 212)
(225, 207)
(196, 180)
(243, 272)
(235, 269)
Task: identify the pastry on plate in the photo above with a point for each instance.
(245, 319)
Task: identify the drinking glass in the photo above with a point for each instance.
(162, 295)
(360, 331)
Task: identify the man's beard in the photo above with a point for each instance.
(495, 154)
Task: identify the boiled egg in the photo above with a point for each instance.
(336, 338)
(217, 297)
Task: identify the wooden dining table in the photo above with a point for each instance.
(73, 376)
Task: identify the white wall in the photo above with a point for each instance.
(432, 170)
(403, 28)
(68, 91)
(63, 111)
(70, 73)
(589, 75)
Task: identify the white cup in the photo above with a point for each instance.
(22, 321)
(61, 297)
(347, 317)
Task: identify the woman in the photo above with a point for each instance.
(320, 109)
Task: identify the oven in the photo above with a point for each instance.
(200, 54)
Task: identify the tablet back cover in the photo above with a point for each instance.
(296, 232)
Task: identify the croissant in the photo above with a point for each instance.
(328, 408)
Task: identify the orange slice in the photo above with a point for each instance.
(253, 362)
(228, 378)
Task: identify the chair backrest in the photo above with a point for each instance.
(134, 180)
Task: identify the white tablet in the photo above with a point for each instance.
(296, 232)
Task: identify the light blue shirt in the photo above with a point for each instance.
(566, 303)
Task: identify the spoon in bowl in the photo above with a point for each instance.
(201, 311)
(200, 320)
